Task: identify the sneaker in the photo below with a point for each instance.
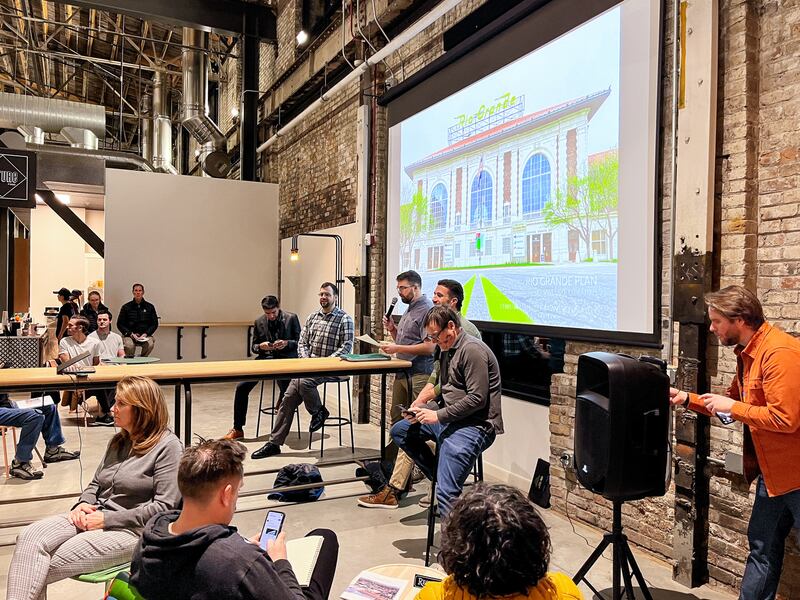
(417, 475)
(426, 500)
(24, 470)
(385, 498)
(233, 434)
(59, 454)
(267, 450)
(318, 419)
(104, 421)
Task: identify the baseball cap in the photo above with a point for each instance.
(63, 292)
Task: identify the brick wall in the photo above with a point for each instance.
(757, 231)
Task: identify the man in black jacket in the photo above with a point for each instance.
(275, 335)
(194, 553)
(137, 322)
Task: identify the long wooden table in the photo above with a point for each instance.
(186, 374)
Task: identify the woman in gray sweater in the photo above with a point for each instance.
(136, 479)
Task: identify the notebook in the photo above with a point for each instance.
(302, 554)
(365, 357)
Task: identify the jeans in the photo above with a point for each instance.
(770, 523)
(33, 421)
(241, 398)
(459, 447)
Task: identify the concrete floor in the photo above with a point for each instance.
(367, 537)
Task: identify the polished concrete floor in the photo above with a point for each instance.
(367, 537)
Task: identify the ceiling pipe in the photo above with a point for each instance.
(194, 110)
(162, 127)
(49, 114)
(113, 159)
(405, 36)
(80, 138)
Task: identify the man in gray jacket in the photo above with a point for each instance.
(464, 419)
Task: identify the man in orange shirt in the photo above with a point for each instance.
(763, 396)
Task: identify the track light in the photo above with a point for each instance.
(295, 255)
(302, 37)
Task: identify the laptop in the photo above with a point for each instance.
(67, 366)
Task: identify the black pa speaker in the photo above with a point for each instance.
(622, 417)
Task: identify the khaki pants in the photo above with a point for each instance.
(400, 397)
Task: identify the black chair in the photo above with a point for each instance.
(271, 410)
(477, 474)
(337, 421)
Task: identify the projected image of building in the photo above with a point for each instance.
(512, 189)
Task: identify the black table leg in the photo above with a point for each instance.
(180, 335)
(178, 410)
(203, 334)
(187, 396)
(383, 416)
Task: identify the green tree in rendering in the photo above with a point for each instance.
(589, 202)
(571, 207)
(415, 221)
(602, 190)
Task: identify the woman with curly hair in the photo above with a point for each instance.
(137, 478)
(495, 544)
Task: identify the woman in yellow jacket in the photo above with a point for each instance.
(495, 545)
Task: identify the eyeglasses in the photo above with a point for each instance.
(433, 338)
(402, 288)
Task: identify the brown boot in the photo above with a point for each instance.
(385, 498)
(234, 434)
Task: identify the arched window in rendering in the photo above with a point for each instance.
(438, 207)
(481, 199)
(535, 184)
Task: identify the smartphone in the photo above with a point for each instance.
(726, 418)
(272, 527)
(404, 410)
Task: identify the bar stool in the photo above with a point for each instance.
(477, 474)
(337, 421)
(271, 410)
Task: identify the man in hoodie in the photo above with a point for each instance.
(195, 554)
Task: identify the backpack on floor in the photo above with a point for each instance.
(297, 474)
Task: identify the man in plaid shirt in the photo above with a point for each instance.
(327, 332)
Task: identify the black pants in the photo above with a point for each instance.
(322, 578)
(105, 398)
(242, 397)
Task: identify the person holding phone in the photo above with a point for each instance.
(763, 395)
(275, 335)
(195, 553)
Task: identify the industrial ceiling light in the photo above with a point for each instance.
(302, 37)
(235, 112)
(295, 255)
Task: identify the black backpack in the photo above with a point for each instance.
(297, 474)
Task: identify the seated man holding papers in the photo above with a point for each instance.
(195, 554)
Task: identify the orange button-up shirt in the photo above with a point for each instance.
(767, 390)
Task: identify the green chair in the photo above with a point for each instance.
(121, 588)
(106, 576)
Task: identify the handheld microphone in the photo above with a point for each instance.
(391, 307)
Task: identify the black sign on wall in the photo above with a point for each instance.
(17, 178)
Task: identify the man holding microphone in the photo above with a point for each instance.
(764, 397)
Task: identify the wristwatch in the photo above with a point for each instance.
(685, 403)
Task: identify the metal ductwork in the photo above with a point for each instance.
(64, 163)
(162, 127)
(195, 104)
(50, 115)
(147, 129)
(79, 138)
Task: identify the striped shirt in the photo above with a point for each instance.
(328, 334)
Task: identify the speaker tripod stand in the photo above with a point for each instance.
(623, 561)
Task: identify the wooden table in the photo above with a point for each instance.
(186, 374)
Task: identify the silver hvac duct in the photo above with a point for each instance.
(113, 159)
(79, 138)
(147, 130)
(49, 114)
(195, 103)
(162, 127)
